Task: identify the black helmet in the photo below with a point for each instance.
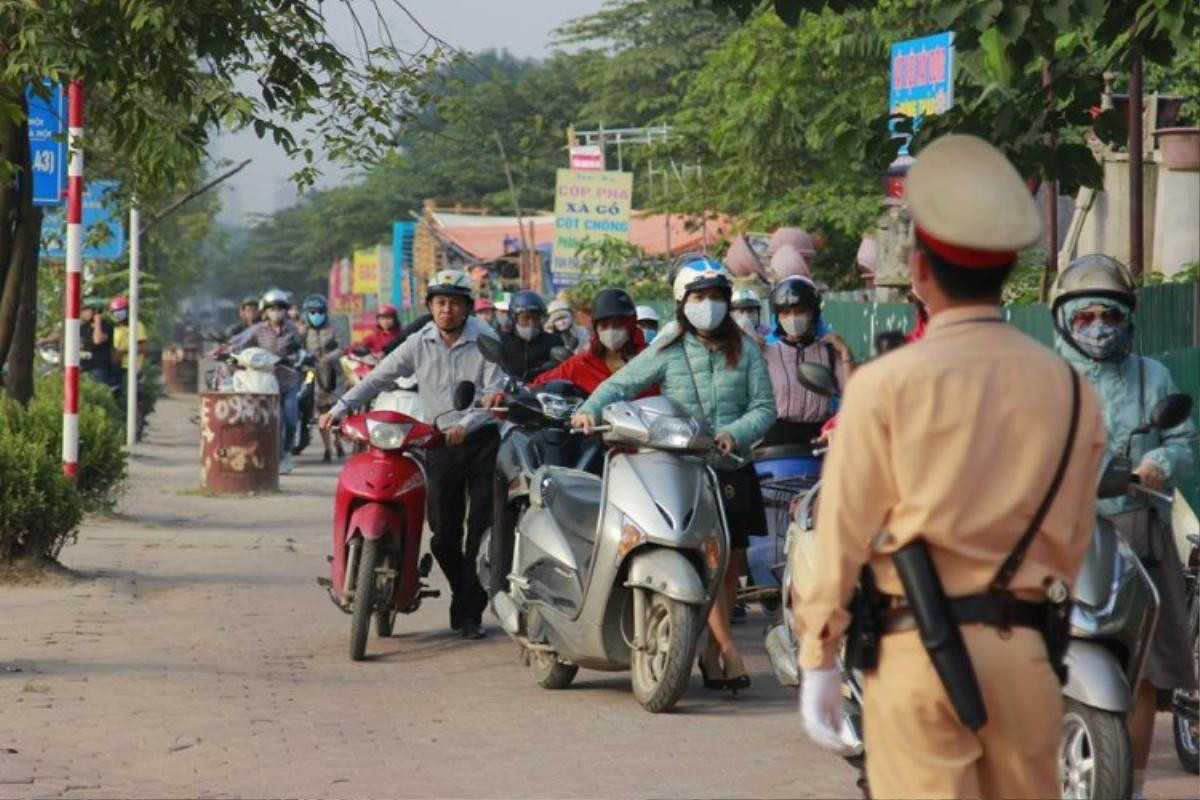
(316, 302)
(612, 303)
(796, 291)
(526, 300)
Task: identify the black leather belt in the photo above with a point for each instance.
(998, 610)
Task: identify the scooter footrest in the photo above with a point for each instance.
(325, 583)
(429, 593)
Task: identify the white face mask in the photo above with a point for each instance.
(526, 331)
(795, 325)
(746, 320)
(613, 338)
(705, 315)
(275, 314)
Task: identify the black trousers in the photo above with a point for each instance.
(456, 476)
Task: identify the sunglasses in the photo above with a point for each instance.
(1108, 316)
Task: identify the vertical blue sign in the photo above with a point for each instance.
(47, 145)
(922, 78)
(403, 288)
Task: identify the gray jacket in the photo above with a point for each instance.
(438, 370)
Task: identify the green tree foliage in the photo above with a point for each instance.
(608, 262)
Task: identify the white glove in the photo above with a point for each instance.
(823, 714)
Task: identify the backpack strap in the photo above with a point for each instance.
(1013, 563)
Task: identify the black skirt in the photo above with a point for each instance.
(741, 497)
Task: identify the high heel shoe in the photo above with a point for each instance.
(718, 684)
(740, 679)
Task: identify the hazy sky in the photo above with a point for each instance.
(521, 26)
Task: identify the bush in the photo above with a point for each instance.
(39, 508)
(103, 462)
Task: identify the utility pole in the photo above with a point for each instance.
(512, 189)
(1135, 160)
(74, 287)
(131, 387)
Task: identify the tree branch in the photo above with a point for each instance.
(174, 206)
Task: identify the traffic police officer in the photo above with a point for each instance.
(954, 440)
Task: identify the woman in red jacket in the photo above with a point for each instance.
(616, 339)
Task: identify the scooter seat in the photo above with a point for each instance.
(573, 499)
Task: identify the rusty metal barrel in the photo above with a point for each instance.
(239, 442)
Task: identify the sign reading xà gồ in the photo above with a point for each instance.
(588, 204)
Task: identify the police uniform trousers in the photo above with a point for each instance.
(917, 748)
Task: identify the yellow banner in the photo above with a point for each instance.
(366, 272)
(588, 204)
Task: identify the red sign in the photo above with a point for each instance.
(587, 156)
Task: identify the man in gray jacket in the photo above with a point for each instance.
(441, 355)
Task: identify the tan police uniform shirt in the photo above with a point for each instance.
(954, 439)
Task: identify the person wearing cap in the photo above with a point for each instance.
(746, 308)
(248, 314)
(527, 350)
(943, 442)
(95, 340)
(1092, 305)
(617, 339)
(119, 308)
(503, 322)
(485, 311)
(647, 321)
(715, 372)
(560, 319)
(387, 331)
(441, 355)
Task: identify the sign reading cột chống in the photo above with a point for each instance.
(588, 204)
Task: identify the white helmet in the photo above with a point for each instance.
(646, 314)
(275, 297)
(452, 282)
(557, 306)
(745, 298)
(701, 273)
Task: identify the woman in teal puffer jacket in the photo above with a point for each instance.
(719, 376)
(1093, 316)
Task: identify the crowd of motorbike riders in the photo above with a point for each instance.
(747, 390)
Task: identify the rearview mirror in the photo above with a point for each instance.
(1116, 478)
(489, 348)
(464, 395)
(817, 378)
(1172, 410)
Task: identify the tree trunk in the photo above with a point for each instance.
(20, 227)
(19, 383)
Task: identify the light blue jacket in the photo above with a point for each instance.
(737, 400)
(1116, 384)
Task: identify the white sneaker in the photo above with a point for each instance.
(285, 465)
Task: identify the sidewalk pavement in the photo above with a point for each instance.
(193, 655)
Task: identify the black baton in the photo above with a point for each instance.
(940, 632)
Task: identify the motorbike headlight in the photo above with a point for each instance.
(676, 433)
(387, 435)
(556, 406)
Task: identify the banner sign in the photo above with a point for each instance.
(383, 257)
(103, 228)
(366, 272)
(587, 156)
(587, 205)
(402, 268)
(48, 145)
(922, 78)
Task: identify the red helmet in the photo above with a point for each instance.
(483, 304)
(119, 302)
(386, 310)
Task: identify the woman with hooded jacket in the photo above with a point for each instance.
(1092, 308)
(616, 340)
(716, 373)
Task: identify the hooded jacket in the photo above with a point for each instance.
(526, 360)
(1128, 390)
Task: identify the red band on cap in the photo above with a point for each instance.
(966, 256)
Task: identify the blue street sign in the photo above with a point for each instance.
(922, 79)
(47, 144)
(103, 230)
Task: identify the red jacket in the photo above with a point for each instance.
(378, 339)
(587, 370)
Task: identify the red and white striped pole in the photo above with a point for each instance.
(70, 439)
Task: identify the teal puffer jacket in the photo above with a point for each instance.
(1117, 385)
(737, 400)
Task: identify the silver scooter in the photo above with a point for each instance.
(619, 573)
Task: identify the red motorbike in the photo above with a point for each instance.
(376, 568)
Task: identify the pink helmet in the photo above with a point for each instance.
(484, 304)
(119, 302)
(387, 309)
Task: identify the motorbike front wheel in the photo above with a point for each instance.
(364, 599)
(1095, 759)
(662, 668)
